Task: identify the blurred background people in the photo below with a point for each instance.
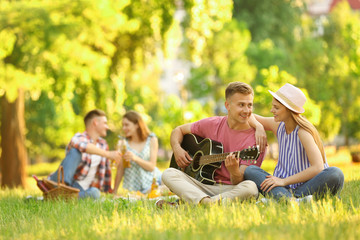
(138, 167)
(86, 164)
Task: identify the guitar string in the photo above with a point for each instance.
(204, 159)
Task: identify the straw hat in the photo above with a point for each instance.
(291, 97)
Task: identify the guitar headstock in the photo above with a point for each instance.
(250, 153)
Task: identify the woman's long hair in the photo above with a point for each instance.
(305, 124)
(134, 117)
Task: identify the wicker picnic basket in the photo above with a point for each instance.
(59, 191)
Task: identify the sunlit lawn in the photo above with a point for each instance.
(120, 219)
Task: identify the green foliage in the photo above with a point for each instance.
(76, 56)
(174, 112)
(224, 61)
(203, 19)
(327, 66)
(73, 56)
(276, 19)
(8, 39)
(63, 49)
(344, 68)
(138, 52)
(264, 54)
(273, 26)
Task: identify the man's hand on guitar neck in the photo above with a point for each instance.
(182, 157)
(236, 172)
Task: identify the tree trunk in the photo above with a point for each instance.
(13, 156)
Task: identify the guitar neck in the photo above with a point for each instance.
(206, 159)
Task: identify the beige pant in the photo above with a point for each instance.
(192, 191)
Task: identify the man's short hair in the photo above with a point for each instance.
(92, 114)
(238, 87)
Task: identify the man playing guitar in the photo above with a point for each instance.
(235, 134)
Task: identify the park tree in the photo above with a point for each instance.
(342, 36)
(275, 19)
(56, 51)
(62, 59)
(223, 61)
(203, 19)
(283, 34)
(18, 73)
(273, 26)
(312, 72)
(328, 67)
(188, 40)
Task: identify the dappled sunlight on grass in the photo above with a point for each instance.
(42, 169)
(338, 157)
(119, 219)
(131, 218)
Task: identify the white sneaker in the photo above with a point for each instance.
(307, 199)
(264, 201)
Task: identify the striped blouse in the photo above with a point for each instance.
(292, 155)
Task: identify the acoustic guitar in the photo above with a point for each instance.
(207, 156)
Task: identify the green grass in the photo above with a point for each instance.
(329, 218)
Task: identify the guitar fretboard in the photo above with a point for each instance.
(206, 159)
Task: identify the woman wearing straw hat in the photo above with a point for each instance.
(302, 169)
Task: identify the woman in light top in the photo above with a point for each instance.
(142, 149)
(302, 168)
